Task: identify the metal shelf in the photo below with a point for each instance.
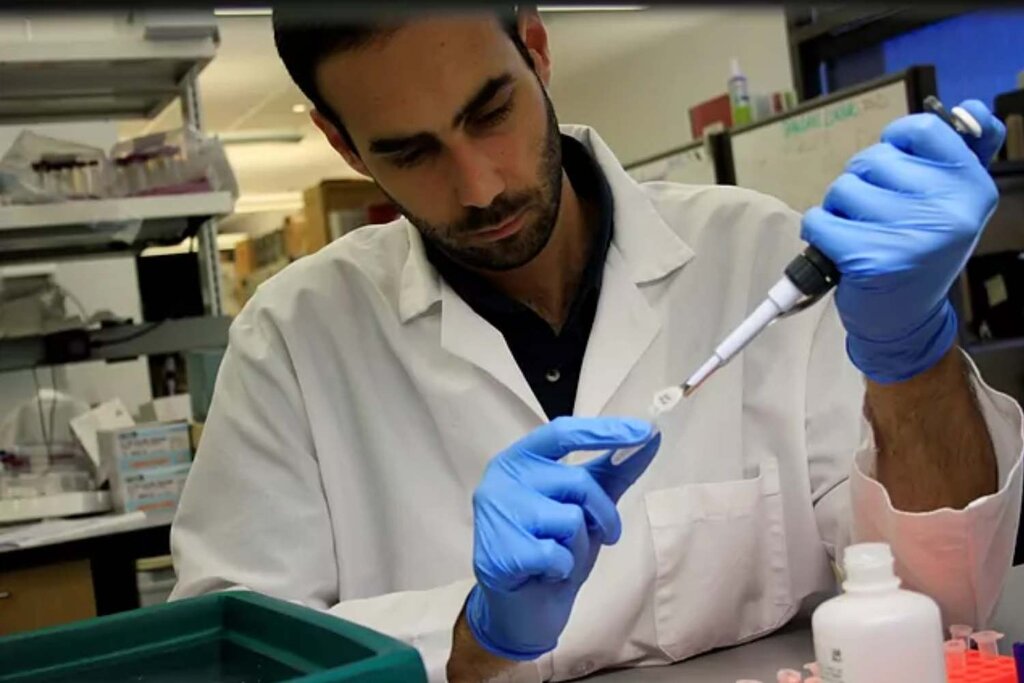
(89, 226)
(1007, 169)
(128, 65)
(995, 345)
(116, 342)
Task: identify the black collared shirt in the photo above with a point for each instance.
(549, 361)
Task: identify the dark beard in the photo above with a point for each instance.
(542, 204)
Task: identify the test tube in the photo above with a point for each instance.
(789, 676)
(988, 643)
(956, 655)
(961, 632)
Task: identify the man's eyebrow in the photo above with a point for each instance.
(482, 96)
(399, 144)
(487, 91)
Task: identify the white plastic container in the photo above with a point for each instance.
(876, 632)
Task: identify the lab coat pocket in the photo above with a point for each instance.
(720, 554)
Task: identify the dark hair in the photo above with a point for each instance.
(304, 39)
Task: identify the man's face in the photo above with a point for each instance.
(455, 127)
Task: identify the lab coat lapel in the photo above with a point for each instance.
(624, 327)
(470, 337)
(463, 333)
(644, 250)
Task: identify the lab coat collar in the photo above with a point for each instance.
(463, 332)
(650, 249)
(421, 284)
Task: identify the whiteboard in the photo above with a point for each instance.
(797, 157)
(691, 165)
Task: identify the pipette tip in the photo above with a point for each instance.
(689, 389)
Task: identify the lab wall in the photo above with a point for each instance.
(108, 283)
(639, 101)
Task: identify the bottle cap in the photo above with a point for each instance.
(868, 566)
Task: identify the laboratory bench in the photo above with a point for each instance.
(789, 648)
(90, 574)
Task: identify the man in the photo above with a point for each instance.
(382, 443)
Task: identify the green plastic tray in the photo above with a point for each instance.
(219, 638)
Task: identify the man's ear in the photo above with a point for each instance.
(535, 37)
(338, 142)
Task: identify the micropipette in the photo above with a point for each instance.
(807, 278)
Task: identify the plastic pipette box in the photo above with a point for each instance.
(219, 638)
(982, 670)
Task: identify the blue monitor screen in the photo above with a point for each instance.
(976, 55)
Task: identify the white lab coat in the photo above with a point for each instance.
(360, 399)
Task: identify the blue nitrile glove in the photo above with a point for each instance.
(899, 224)
(538, 526)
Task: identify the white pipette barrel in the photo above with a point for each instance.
(782, 297)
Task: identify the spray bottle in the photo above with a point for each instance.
(739, 97)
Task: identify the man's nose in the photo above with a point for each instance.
(477, 180)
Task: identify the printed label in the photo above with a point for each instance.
(995, 289)
(832, 670)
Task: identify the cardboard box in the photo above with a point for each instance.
(335, 195)
(151, 490)
(245, 258)
(146, 464)
(717, 110)
(196, 432)
(295, 232)
(87, 427)
(177, 408)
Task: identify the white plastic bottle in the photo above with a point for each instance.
(876, 632)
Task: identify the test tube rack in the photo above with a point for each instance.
(979, 669)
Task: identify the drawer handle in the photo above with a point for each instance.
(4, 595)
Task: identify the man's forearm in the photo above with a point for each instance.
(470, 663)
(934, 448)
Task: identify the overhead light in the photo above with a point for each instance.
(299, 108)
(269, 201)
(266, 11)
(591, 8)
(243, 12)
(226, 241)
(248, 137)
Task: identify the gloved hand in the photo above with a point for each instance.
(538, 526)
(899, 224)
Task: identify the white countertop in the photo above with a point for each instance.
(789, 648)
(17, 537)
